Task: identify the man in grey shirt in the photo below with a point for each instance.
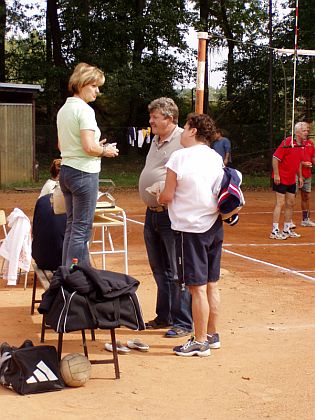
(173, 306)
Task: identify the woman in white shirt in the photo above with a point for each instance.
(193, 180)
(50, 184)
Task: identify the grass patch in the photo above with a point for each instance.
(125, 170)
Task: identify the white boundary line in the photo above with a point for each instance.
(277, 243)
(270, 265)
(288, 270)
(133, 221)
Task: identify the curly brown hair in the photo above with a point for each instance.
(205, 126)
(55, 168)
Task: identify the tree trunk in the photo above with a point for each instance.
(3, 18)
(136, 61)
(231, 44)
(55, 38)
(229, 72)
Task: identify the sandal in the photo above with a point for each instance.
(177, 332)
(121, 349)
(137, 344)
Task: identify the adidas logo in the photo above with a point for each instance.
(42, 374)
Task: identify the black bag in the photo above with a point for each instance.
(71, 311)
(30, 369)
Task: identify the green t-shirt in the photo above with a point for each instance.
(73, 116)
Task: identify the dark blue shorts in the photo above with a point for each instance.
(199, 255)
(282, 188)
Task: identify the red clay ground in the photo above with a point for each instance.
(265, 368)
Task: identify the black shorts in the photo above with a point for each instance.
(282, 189)
(199, 255)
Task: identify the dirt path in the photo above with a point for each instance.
(265, 368)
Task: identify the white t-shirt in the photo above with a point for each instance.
(199, 171)
(48, 187)
(73, 116)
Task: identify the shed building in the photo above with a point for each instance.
(17, 132)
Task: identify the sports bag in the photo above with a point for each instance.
(30, 369)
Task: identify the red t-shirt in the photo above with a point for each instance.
(308, 154)
(289, 161)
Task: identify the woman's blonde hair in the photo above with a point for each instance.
(85, 74)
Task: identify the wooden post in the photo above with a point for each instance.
(202, 36)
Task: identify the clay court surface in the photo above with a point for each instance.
(265, 368)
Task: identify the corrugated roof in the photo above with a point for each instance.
(20, 87)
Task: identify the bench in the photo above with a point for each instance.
(44, 277)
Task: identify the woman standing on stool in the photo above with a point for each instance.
(81, 152)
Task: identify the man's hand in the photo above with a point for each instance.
(276, 179)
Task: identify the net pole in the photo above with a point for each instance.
(201, 66)
(294, 67)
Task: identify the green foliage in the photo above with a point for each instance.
(140, 46)
(25, 59)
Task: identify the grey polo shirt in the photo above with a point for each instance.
(154, 169)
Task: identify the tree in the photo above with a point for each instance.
(3, 19)
(132, 42)
(231, 22)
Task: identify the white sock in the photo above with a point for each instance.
(275, 226)
(287, 226)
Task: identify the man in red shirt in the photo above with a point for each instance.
(286, 165)
(308, 160)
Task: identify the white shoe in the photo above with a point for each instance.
(277, 235)
(290, 234)
(292, 225)
(308, 222)
(121, 349)
(137, 344)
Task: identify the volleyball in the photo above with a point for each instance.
(75, 369)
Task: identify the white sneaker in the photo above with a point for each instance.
(121, 349)
(292, 225)
(277, 235)
(308, 222)
(290, 234)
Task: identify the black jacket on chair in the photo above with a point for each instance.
(87, 298)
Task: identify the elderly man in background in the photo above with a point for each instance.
(173, 306)
(308, 160)
(287, 164)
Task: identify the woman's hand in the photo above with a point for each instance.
(110, 150)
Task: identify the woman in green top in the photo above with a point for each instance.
(81, 152)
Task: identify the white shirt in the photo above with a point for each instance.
(17, 246)
(48, 187)
(199, 172)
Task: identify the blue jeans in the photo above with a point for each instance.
(173, 306)
(80, 191)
